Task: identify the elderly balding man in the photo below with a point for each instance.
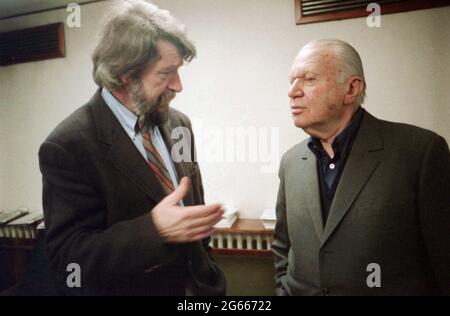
(364, 204)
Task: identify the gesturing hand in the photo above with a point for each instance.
(177, 224)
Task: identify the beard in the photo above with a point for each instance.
(151, 111)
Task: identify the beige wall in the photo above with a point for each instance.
(239, 80)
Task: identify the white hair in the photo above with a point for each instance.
(348, 61)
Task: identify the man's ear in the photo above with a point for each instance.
(354, 88)
(125, 80)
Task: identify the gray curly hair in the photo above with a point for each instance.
(128, 44)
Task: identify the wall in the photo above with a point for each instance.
(239, 80)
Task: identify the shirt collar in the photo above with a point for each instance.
(342, 143)
(126, 118)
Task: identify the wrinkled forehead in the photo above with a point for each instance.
(317, 57)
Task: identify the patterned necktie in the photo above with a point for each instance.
(155, 161)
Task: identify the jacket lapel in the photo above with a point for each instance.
(308, 173)
(362, 162)
(122, 153)
(181, 168)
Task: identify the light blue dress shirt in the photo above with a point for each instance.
(128, 121)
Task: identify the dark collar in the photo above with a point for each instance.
(342, 144)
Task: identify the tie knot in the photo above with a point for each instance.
(141, 125)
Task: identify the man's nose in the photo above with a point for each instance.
(295, 90)
(175, 84)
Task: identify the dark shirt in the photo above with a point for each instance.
(330, 169)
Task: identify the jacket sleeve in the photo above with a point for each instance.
(434, 207)
(205, 276)
(281, 243)
(76, 229)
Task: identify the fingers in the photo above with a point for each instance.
(206, 221)
(201, 220)
(187, 224)
(176, 196)
(201, 234)
(202, 210)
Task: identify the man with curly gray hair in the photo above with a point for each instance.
(115, 202)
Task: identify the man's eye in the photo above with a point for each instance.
(166, 73)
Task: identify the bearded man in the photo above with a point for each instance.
(115, 203)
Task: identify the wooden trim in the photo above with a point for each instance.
(17, 244)
(14, 255)
(247, 226)
(355, 13)
(242, 252)
(17, 247)
(61, 41)
(298, 13)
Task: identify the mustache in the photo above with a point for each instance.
(166, 98)
(156, 113)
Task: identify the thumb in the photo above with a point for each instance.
(176, 196)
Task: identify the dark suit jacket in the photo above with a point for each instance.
(391, 207)
(98, 192)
